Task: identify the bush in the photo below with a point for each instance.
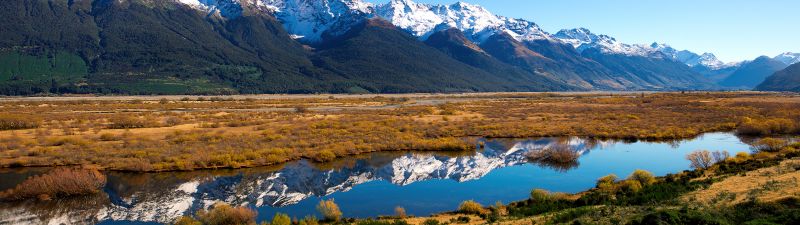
(329, 210)
(644, 177)
(324, 156)
(770, 144)
(700, 159)
(56, 183)
(471, 207)
(607, 182)
(431, 222)
(17, 122)
(630, 186)
(281, 219)
(186, 220)
(559, 157)
(309, 220)
(109, 137)
(224, 214)
(128, 122)
(540, 195)
(400, 212)
(762, 127)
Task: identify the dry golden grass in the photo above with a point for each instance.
(765, 185)
(151, 134)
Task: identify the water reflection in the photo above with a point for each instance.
(367, 185)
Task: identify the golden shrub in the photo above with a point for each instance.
(224, 214)
(471, 207)
(329, 210)
(643, 176)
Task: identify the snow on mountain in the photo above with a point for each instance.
(309, 20)
(708, 60)
(475, 21)
(224, 8)
(789, 58)
(582, 39)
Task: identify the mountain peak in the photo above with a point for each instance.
(475, 21)
(788, 58)
(582, 39)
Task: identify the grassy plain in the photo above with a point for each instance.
(165, 133)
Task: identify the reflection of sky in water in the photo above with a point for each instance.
(515, 182)
(422, 183)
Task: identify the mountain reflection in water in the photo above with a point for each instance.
(364, 186)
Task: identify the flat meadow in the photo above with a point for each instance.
(172, 133)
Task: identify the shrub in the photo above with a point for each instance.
(58, 182)
(109, 137)
(301, 109)
(720, 156)
(329, 210)
(400, 212)
(540, 195)
(559, 157)
(431, 222)
(630, 186)
(17, 122)
(128, 122)
(770, 144)
(324, 156)
(224, 214)
(644, 177)
(471, 207)
(700, 159)
(309, 220)
(772, 126)
(281, 219)
(173, 121)
(607, 182)
(186, 220)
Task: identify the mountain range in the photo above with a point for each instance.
(331, 46)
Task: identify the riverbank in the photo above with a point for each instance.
(189, 133)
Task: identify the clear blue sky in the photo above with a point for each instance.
(734, 30)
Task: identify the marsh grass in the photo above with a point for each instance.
(143, 135)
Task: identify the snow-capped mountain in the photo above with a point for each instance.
(582, 39)
(692, 59)
(788, 58)
(223, 8)
(310, 20)
(475, 21)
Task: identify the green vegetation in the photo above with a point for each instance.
(55, 72)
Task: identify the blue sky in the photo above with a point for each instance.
(734, 30)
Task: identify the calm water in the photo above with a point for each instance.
(367, 186)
